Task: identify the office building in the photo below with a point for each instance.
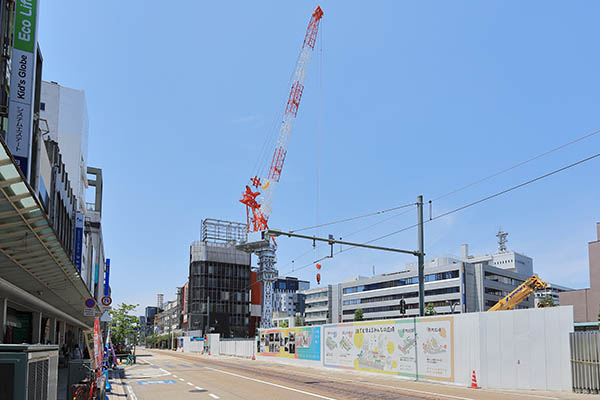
(586, 302)
(452, 285)
(287, 295)
(219, 281)
(323, 305)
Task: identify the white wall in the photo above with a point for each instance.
(521, 349)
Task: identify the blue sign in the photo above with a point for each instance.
(89, 302)
(106, 276)
(78, 241)
(156, 382)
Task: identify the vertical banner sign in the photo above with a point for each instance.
(98, 352)
(106, 276)
(20, 109)
(78, 240)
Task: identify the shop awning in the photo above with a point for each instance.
(31, 257)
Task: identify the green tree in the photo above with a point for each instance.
(546, 301)
(358, 314)
(430, 309)
(299, 320)
(283, 324)
(125, 325)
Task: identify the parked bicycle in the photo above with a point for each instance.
(88, 389)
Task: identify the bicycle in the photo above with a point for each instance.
(88, 390)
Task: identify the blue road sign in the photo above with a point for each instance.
(89, 302)
(156, 382)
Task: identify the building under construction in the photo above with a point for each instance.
(219, 280)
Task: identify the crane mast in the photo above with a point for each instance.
(258, 194)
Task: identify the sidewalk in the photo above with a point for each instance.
(117, 390)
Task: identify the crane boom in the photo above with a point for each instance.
(259, 204)
(522, 291)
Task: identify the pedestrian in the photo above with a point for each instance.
(76, 353)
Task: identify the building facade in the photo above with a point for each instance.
(219, 281)
(452, 285)
(287, 295)
(586, 302)
(323, 305)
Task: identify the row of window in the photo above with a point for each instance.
(432, 292)
(396, 307)
(502, 279)
(317, 304)
(316, 295)
(402, 282)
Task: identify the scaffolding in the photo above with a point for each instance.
(219, 231)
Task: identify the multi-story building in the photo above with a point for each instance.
(151, 319)
(219, 281)
(552, 291)
(586, 302)
(452, 285)
(287, 296)
(323, 305)
(42, 203)
(168, 318)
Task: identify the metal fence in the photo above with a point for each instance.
(585, 361)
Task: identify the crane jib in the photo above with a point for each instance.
(258, 203)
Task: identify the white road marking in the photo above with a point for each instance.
(182, 380)
(174, 376)
(165, 371)
(132, 395)
(214, 396)
(190, 383)
(272, 384)
(199, 388)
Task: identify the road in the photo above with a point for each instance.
(168, 375)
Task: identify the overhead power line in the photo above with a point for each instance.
(515, 166)
(510, 189)
(354, 218)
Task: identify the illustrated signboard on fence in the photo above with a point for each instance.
(390, 347)
(303, 343)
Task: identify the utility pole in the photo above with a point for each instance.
(421, 257)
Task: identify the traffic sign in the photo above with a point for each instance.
(106, 301)
(90, 303)
(89, 312)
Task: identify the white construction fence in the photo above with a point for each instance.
(519, 349)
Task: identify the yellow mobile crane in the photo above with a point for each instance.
(519, 294)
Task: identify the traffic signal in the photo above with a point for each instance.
(318, 274)
(402, 306)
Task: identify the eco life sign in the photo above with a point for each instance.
(20, 115)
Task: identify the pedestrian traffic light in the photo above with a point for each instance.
(402, 306)
(318, 279)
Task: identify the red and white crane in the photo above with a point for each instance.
(258, 194)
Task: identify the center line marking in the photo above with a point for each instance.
(182, 380)
(190, 383)
(174, 376)
(214, 396)
(199, 388)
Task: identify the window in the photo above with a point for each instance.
(42, 106)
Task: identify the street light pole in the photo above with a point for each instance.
(421, 257)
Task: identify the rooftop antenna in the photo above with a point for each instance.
(502, 241)
(373, 270)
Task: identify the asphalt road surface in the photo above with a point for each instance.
(168, 375)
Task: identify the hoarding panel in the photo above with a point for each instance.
(303, 343)
(390, 347)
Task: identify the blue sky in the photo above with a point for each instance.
(402, 98)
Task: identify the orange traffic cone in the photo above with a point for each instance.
(474, 381)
